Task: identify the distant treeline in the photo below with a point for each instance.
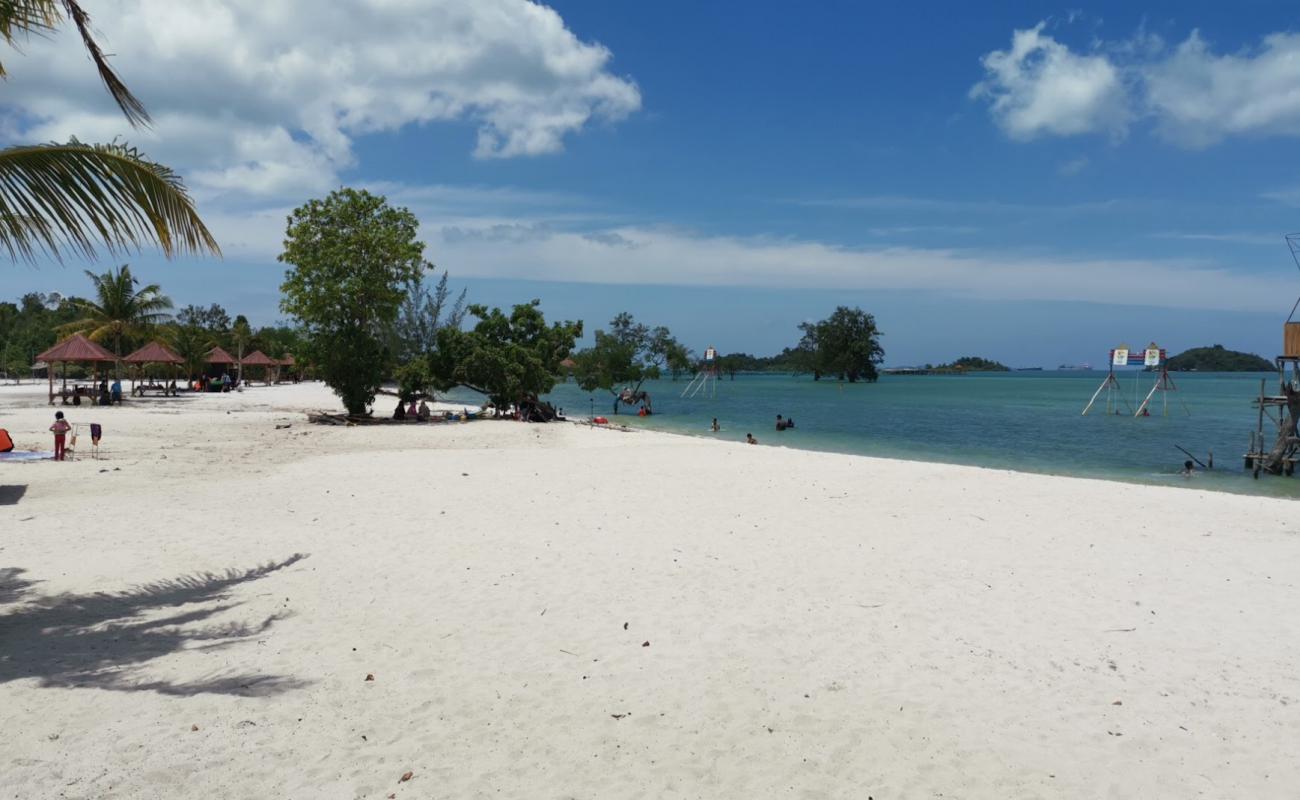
(122, 316)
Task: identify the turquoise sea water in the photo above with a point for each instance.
(1027, 421)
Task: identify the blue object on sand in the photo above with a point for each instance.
(26, 455)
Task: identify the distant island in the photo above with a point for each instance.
(1218, 359)
(968, 364)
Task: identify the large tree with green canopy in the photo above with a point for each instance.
(625, 356)
(512, 358)
(846, 344)
(353, 255)
(74, 198)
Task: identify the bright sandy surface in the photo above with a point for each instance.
(818, 626)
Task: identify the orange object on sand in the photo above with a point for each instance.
(600, 421)
(6, 443)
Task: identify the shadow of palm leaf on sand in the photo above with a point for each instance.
(101, 640)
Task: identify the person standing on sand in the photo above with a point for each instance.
(60, 430)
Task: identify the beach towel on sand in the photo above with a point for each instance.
(6, 443)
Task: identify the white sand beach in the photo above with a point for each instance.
(555, 611)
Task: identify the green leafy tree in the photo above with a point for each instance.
(71, 197)
(512, 358)
(213, 319)
(625, 356)
(413, 379)
(846, 344)
(122, 309)
(353, 255)
(32, 326)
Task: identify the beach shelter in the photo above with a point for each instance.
(287, 364)
(220, 358)
(153, 353)
(77, 349)
(259, 359)
(220, 363)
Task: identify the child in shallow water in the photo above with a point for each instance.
(60, 430)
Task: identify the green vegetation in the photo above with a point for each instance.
(627, 355)
(790, 360)
(71, 197)
(968, 364)
(512, 359)
(353, 257)
(845, 345)
(1218, 359)
(122, 308)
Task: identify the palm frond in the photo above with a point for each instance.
(131, 106)
(73, 197)
(21, 18)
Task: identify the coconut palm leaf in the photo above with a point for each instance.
(20, 19)
(71, 197)
(121, 308)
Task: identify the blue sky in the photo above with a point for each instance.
(1033, 184)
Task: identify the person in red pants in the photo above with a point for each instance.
(60, 429)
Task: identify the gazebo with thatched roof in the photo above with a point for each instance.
(287, 363)
(153, 353)
(217, 357)
(76, 348)
(259, 359)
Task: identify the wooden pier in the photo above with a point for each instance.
(1282, 410)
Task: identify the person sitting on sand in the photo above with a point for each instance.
(412, 411)
(400, 411)
(780, 423)
(423, 413)
(715, 427)
(749, 439)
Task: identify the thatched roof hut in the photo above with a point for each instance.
(220, 357)
(154, 353)
(75, 348)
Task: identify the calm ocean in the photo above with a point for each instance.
(1026, 421)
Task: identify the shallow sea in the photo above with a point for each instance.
(1026, 421)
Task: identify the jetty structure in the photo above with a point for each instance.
(1280, 409)
(1153, 358)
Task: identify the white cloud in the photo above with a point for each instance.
(1262, 239)
(267, 97)
(670, 257)
(532, 242)
(1194, 97)
(1073, 167)
(1039, 86)
(1200, 98)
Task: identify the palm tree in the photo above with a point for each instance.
(241, 334)
(192, 344)
(72, 197)
(123, 308)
